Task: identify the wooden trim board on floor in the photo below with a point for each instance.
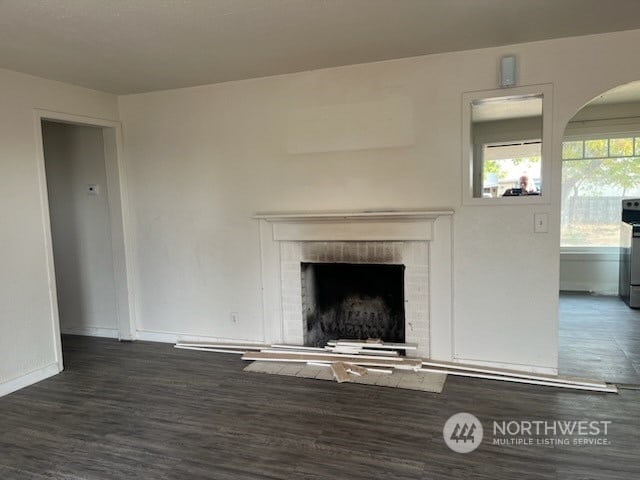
(339, 372)
(498, 372)
(230, 346)
(360, 351)
(364, 344)
(215, 350)
(281, 346)
(356, 369)
(364, 360)
(607, 388)
(338, 357)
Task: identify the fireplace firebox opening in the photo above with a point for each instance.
(352, 301)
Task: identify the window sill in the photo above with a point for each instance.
(508, 200)
(590, 254)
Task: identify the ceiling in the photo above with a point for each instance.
(132, 46)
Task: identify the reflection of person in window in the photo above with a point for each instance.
(527, 187)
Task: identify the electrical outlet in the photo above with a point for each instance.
(235, 317)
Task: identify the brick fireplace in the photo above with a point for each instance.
(352, 300)
(419, 241)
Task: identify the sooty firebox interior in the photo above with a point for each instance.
(344, 300)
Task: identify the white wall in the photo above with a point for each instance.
(203, 160)
(27, 349)
(75, 158)
(589, 272)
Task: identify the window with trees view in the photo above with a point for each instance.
(504, 165)
(596, 174)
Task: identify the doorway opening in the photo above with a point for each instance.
(599, 336)
(88, 249)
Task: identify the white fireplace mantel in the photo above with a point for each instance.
(418, 230)
(367, 214)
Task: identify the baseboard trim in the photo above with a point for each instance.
(28, 379)
(607, 289)
(509, 366)
(164, 337)
(91, 332)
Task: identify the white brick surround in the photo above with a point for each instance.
(413, 255)
(421, 241)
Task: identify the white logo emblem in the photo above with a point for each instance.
(462, 432)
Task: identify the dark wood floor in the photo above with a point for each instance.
(149, 411)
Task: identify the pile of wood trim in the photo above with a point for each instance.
(344, 357)
(357, 357)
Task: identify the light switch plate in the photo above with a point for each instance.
(541, 222)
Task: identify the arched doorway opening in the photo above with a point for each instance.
(599, 335)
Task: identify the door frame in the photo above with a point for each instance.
(119, 215)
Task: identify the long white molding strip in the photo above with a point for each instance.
(364, 363)
(601, 388)
(215, 350)
(296, 347)
(291, 350)
(245, 346)
(359, 351)
(335, 357)
(401, 363)
(233, 346)
(345, 350)
(370, 369)
(512, 373)
(365, 345)
(379, 370)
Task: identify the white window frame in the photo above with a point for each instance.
(468, 198)
(596, 130)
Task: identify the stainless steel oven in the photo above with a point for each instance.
(629, 285)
